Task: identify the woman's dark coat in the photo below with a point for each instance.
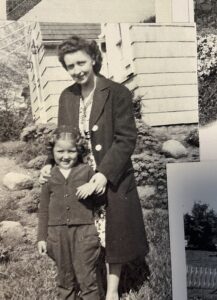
(113, 138)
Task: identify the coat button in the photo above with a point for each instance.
(98, 147)
(95, 128)
(67, 220)
(68, 208)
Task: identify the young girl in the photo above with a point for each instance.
(66, 230)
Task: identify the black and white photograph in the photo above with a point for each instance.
(193, 215)
(93, 108)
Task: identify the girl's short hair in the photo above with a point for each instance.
(68, 133)
(76, 43)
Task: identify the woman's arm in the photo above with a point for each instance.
(115, 161)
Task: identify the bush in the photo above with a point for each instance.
(37, 139)
(30, 151)
(146, 139)
(207, 55)
(11, 124)
(207, 67)
(193, 138)
(40, 132)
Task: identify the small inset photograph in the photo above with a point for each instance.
(192, 193)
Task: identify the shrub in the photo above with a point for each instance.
(30, 151)
(37, 138)
(146, 139)
(193, 138)
(207, 55)
(207, 67)
(39, 132)
(11, 124)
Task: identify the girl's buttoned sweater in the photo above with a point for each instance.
(59, 204)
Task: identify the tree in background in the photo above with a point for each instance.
(201, 228)
(15, 110)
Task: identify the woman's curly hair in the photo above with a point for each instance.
(76, 43)
(72, 134)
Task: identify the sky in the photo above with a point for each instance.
(190, 182)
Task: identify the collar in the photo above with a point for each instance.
(101, 84)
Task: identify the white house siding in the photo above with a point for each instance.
(54, 80)
(34, 73)
(162, 69)
(165, 63)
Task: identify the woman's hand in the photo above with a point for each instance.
(85, 190)
(42, 247)
(100, 182)
(45, 174)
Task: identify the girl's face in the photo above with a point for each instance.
(65, 153)
(80, 66)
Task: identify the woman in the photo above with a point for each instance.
(102, 110)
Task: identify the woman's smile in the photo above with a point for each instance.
(80, 66)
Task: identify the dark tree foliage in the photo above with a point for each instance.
(208, 99)
(201, 228)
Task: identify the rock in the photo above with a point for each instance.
(28, 133)
(11, 233)
(16, 181)
(37, 162)
(174, 149)
(146, 192)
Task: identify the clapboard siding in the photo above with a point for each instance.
(165, 65)
(52, 112)
(170, 91)
(52, 119)
(49, 61)
(51, 100)
(55, 87)
(159, 79)
(131, 83)
(167, 104)
(164, 49)
(171, 118)
(55, 73)
(53, 31)
(164, 33)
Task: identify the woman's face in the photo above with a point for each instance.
(80, 66)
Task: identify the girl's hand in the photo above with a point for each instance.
(85, 190)
(100, 181)
(42, 247)
(45, 174)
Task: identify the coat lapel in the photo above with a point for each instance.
(74, 105)
(100, 97)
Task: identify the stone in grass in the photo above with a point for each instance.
(17, 181)
(37, 162)
(147, 194)
(11, 233)
(173, 148)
